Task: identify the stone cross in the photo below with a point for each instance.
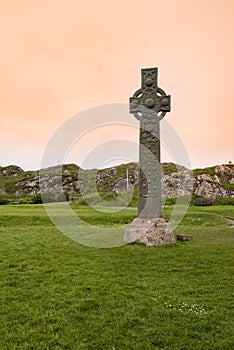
(149, 105)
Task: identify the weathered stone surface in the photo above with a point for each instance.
(106, 175)
(149, 105)
(48, 183)
(149, 231)
(30, 186)
(210, 186)
(224, 171)
(177, 184)
(205, 190)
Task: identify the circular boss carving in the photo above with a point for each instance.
(149, 102)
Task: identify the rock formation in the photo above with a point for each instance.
(209, 183)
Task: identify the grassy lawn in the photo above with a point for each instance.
(57, 294)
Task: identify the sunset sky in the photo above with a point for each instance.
(60, 57)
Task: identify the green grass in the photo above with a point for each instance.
(169, 168)
(209, 170)
(227, 185)
(57, 294)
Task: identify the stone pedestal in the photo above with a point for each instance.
(149, 231)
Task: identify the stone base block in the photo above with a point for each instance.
(149, 231)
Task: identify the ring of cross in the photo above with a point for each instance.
(160, 114)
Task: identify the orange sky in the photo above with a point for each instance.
(59, 57)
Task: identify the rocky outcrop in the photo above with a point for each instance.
(50, 180)
(225, 171)
(209, 183)
(11, 171)
(215, 185)
(115, 179)
(28, 186)
(218, 183)
(107, 174)
(177, 184)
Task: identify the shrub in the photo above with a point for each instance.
(4, 200)
(224, 201)
(50, 197)
(208, 170)
(81, 202)
(23, 201)
(227, 185)
(36, 199)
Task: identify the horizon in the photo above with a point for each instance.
(108, 167)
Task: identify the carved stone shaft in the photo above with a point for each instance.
(149, 105)
(149, 191)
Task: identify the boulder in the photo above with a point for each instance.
(149, 232)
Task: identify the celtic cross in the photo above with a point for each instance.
(149, 105)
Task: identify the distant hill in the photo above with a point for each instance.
(211, 183)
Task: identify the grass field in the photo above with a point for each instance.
(57, 294)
